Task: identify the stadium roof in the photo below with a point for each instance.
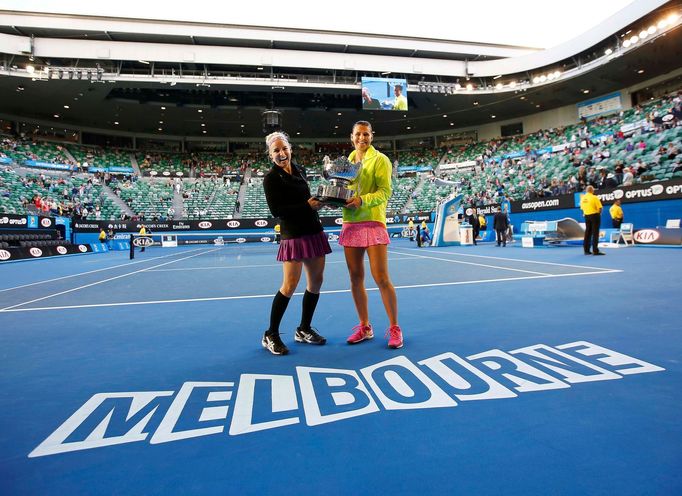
(233, 73)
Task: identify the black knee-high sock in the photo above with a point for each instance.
(279, 306)
(309, 305)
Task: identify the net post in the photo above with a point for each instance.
(132, 247)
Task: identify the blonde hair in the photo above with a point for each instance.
(272, 137)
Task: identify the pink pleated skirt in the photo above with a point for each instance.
(309, 246)
(363, 234)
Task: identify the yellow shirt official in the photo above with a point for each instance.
(616, 212)
(590, 204)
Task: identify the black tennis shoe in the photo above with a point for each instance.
(273, 343)
(309, 336)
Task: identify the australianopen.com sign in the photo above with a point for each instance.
(258, 402)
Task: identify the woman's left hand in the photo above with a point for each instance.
(353, 203)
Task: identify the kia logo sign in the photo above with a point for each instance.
(36, 252)
(261, 223)
(61, 250)
(82, 248)
(646, 236)
(143, 242)
(46, 222)
(657, 189)
(233, 223)
(338, 220)
(241, 240)
(205, 224)
(5, 255)
(265, 239)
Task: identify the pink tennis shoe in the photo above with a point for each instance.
(361, 333)
(395, 337)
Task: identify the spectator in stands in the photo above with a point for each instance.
(591, 207)
(628, 177)
(303, 245)
(616, 213)
(606, 180)
(501, 224)
(364, 231)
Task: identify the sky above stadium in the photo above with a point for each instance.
(530, 23)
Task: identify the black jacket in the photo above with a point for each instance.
(287, 196)
(500, 222)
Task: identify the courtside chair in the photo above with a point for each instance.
(626, 233)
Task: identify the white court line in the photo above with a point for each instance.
(92, 271)
(104, 280)
(471, 263)
(336, 291)
(510, 259)
(258, 265)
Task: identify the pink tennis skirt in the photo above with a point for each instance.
(309, 246)
(363, 234)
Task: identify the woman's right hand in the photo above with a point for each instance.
(315, 204)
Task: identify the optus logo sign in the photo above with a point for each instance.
(36, 252)
(261, 223)
(646, 236)
(204, 225)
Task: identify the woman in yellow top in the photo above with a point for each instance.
(364, 231)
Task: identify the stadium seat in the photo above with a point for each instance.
(672, 224)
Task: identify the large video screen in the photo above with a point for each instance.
(384, 94)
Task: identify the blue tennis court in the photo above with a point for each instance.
(524, 371)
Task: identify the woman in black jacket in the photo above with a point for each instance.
(303, 242)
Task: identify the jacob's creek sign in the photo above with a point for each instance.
(257, 402)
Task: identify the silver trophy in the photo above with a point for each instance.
(340, 173)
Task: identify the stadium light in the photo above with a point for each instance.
(626, 43)
(30, 69)
(643, 34)
(652, 29)
(608, 51)
(634, 39)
